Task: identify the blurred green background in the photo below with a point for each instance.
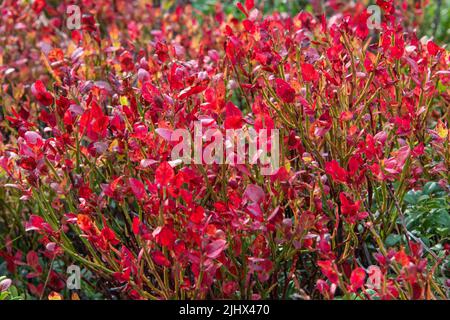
(436, 18)
(437, 21)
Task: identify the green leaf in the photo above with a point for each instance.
(431, 187)
(4, 295)
(410, 197)
(392, 240)
(423, 198)
(443, 219)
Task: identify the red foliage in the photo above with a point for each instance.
(86, 146)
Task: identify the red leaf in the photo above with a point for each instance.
(176, 77)
(329, 270)
(186, 93)
(33, 259)
(148, 91)
(249, 26)
(349, 208)
(40, 93)
(38, 87)
(164, 174)
(255, 193)
(255, 210)
(94, 122)
(138, 188)
(165, 236)
(249, 4)
(394, 165)
(160, 259)
(241, 7)
(418, 150)
(27, 163)
(264, 121)
(336, 172)
(37, 223)
(38, 6)
(357, 278)
(215, 248)
(233, 117)
(109, 235)
(284, 91)
(402, 258)
(135, 227)
(433, 48)
(197, 215)
(308, 72)
(164, 133)
(33, 138)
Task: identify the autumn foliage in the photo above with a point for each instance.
(86, 176)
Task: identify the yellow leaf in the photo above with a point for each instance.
(113, 144)
(441, 130)
(55, 296)
(49, 68)
(124, 101)
(168, 4)
(18, 91)
(288, 166)
(75, 296)
(114, 35)
(307, 158)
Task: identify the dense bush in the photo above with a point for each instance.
(358, 209)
